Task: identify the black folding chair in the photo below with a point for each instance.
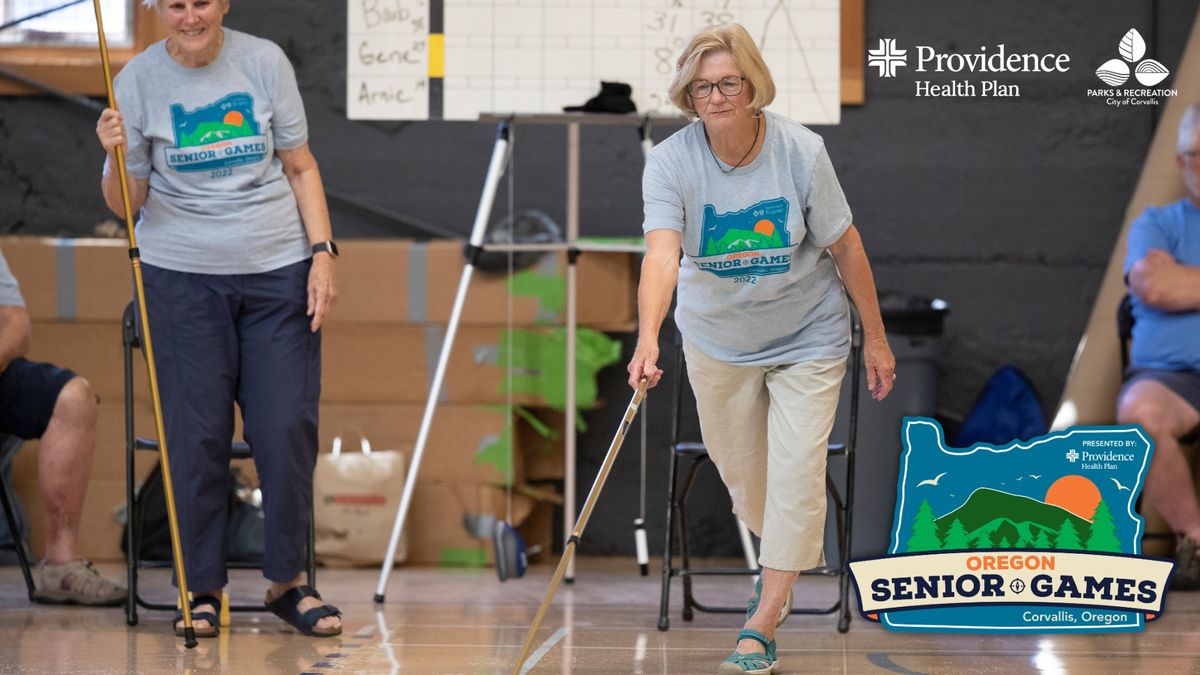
(130, 341)
(696, 455)
(8, 447)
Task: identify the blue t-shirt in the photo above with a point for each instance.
(756, 285)
(1165, 340)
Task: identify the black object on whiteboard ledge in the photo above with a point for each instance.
(614, 97)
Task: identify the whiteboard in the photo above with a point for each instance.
(458, 59)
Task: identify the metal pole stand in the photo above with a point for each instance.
(475, 247)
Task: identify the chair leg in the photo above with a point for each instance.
(843, 543)
(18, 539)
(685, 562)
(128, 337)
(664, 609)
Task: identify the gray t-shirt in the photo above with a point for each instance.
(10, 292)
(756, 286)
(219, 202)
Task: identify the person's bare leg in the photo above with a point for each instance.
(64, 465)
(325, 623)
(1165, 416)
(775, 587)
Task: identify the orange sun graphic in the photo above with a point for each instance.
(234, 118)
(765, 227)
(1075, 494)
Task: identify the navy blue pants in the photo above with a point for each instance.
(220, 339)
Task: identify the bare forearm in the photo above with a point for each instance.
(15, 334)
(1174, 288)
(110, 187)
(659, 275)
(855, 269)
(310, 198)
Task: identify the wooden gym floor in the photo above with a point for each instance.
(465, 621)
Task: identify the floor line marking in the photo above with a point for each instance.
(542, 650)
(366, 631)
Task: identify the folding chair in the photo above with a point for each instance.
(8, 448)
(130, 341)
(696, 455)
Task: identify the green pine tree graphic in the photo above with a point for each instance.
(956, 537)
(1068, 538)
(925, 536)
(1103, 532)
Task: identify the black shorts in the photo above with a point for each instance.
(1186, 383)
(28, 393)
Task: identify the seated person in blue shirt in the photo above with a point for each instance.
(1162, 387)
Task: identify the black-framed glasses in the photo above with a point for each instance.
(729, 86)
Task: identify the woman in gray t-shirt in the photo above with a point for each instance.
(238, 262)
(751, 200)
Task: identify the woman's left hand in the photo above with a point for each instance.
(322, 288)
(881, 366)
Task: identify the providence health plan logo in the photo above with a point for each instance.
(986, 71)
(887, 57)
(1035, 536)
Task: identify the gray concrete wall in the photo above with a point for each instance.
(1007, 209)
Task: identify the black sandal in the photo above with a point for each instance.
(286, 607)
(211, 617)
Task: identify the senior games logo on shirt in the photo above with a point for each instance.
(746, 244)
(1038, 536)
(216, 137)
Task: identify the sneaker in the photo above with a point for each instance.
(76, 583)
(1186, 576)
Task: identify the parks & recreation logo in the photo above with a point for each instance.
(992, 62)
(1147, 72)
(1036, 536)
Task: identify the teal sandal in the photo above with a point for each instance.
(752, 605)
(755, 663)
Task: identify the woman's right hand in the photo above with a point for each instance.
(644, 365)
(110, 129)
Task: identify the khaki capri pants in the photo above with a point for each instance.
(767, 430)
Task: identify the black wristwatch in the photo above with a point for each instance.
(325, 247)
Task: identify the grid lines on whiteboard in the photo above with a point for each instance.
(537, 56)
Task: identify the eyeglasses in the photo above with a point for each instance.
(729, 86)
(1191, 154)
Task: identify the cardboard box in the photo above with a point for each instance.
(437, 535)
(71, 279)
(538, 530)
(387, 281)
(467, 443)
(396, 363)
(540, 437)
(93, 350)
(416, 282)
(373, 363)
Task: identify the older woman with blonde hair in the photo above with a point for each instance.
(238, 262)
(769, 253)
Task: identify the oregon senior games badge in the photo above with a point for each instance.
(1036, 536)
